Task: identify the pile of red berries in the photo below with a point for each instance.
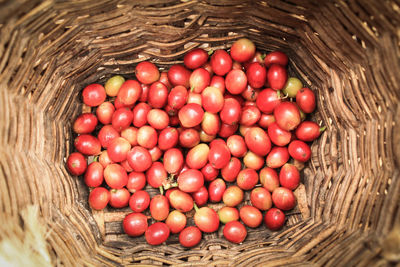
(210, 130)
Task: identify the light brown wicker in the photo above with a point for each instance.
(346, 50)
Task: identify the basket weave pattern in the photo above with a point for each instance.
(347, 51)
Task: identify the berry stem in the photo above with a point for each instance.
(195, 207)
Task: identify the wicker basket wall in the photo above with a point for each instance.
(347, 51)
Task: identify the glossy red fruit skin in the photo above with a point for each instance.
(276, 57)
(221, 62)
(191, 115)
(257, 141)
(219, 155)
(118, 104)
(227, 130)
(250, 115)
(155, 153)
(236, 82)
(211, 124)
(156, 175)
(236, 145)
(258, 57)
(135, 224)
(212, 99)
(93, 95)
(146, 72)
(173, 160)
(194, 98)
(218, 82)
(195, 58)
(99, 198)
(139, 201)
(247, 179)
(308, 131)
(87, 145)
(76, 164)
(261, 198)
(126, 166)
(164, 80)
(277, 157)
(250, 93)
(278, 136)
(190, 180)
(140, 112)
(197, 157)
(119, 198)
(228, 214)
(206, 219)
(136, 181)
(176, 221)
(139, 159)
(199, 80)
(118, 149)
(231, 111)
(243, 50)
(159, 207)
(189, 138)
(145, 92)
(130, 134)
(305, 98)
(180, 200)
(289, 176)
(190, 237)
(122, 119)
(104, 159)
(158, 119)
(269, 178)
(94, 174)
(129, 92)
(287, 116)
(209, 172)
(104, 112)
(200, 197)
(283, 198)
(177, 97)
(231, 170)
(115, 176)
(85, 123)
(251, 216)
(274, 219)
(233, 196)
(235, 232)
(216, 190)
(147, 137)
(158, 95)
(179, 75)
(299, 150)
(256, 75)
(205, 137)
(266, 120)
(157, 233)
(277, 76)
(267, 100)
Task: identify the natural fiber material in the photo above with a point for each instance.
(347, 51)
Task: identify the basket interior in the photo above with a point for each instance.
(347, 51)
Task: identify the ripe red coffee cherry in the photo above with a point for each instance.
(274, 219)
(235, 232)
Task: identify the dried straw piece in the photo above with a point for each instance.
(347, 51)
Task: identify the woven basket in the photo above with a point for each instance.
(347, 51)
